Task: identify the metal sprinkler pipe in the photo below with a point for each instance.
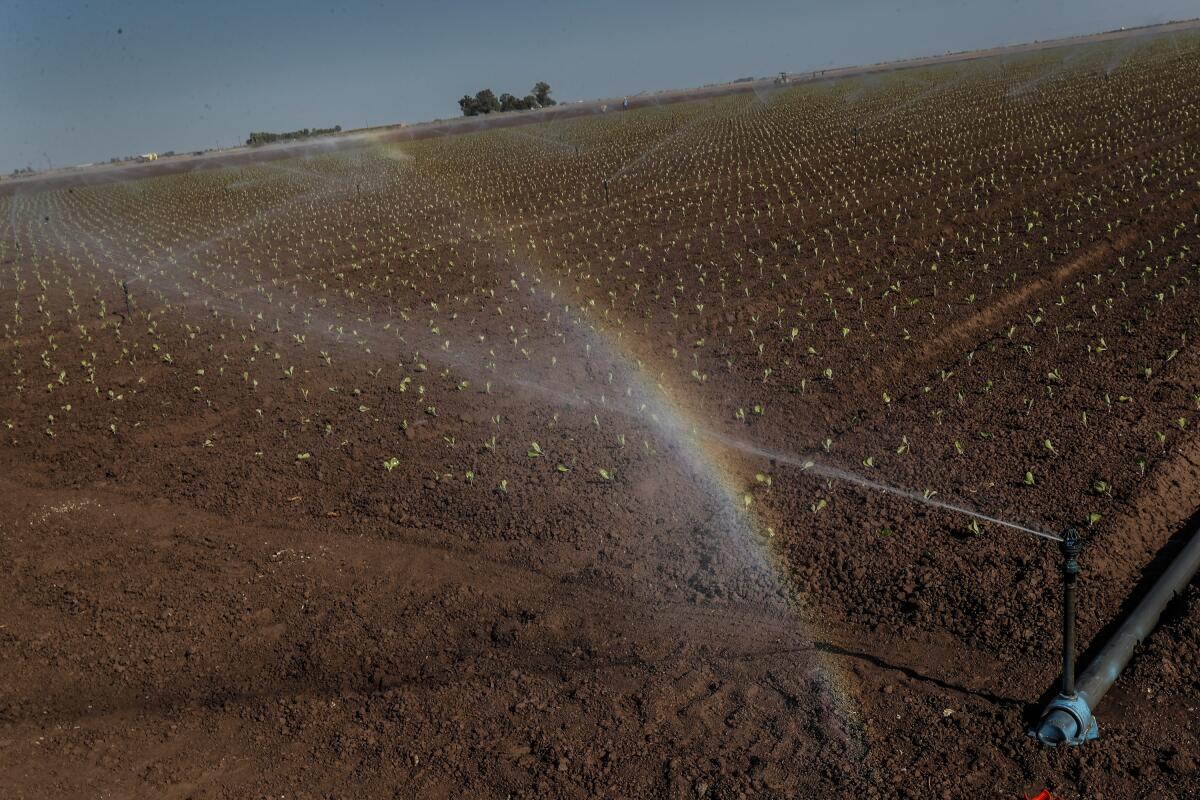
(1069, 719)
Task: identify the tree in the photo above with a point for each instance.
(541, 91)
(469, 106)
(486, 101)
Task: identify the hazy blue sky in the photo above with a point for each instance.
(84, 81)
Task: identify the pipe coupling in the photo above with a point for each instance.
(1068, 720)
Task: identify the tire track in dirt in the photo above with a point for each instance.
(972, 327)
(731, 631)
(990, 315)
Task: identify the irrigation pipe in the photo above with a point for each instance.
(1068, 719)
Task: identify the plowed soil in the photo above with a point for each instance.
(437, 469)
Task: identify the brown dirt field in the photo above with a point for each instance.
(422, 469)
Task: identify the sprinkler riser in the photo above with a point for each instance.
(1068, 719)
(1070, 571)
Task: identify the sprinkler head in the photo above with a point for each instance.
(1070, 547)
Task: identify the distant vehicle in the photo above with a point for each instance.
(144, 157)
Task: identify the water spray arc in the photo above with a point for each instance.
(668, 424)
(661, 411)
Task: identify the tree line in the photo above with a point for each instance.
(486, 102)
(266, 137)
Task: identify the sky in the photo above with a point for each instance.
(87, 81)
